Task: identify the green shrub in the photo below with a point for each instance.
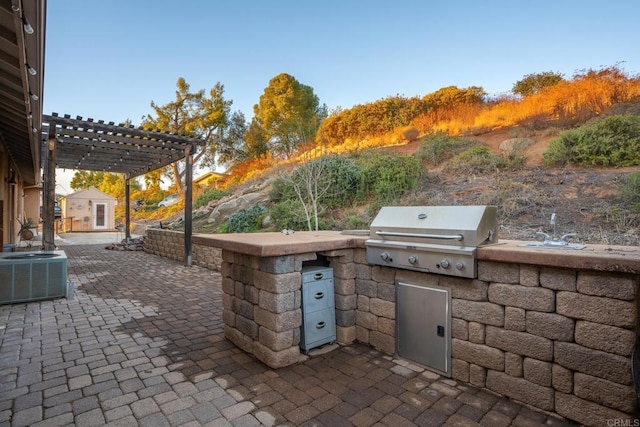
(208, 195)
(611, 141)
(478, 159)
(288, 214)
(510, 162)
(339, 174)
(355, 220)
(245, 220)
(385, 177)
(342, 174)
(557, 153)
(281, 189)
(630, 191)
(440, 147)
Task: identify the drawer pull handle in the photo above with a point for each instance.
(318, 276)
(320, 325)
(319, 295)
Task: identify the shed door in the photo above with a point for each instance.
(100, 216)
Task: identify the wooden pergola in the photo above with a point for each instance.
(99, 146)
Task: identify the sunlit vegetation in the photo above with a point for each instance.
(246, 170)
(538, 101)
(534, 83)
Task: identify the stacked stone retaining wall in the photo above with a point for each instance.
(170, 244)
(557, 338)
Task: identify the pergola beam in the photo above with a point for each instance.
(122, 142)
(91, 145)
(121, 129)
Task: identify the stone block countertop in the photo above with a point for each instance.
(625, 259)
(279, 244)
(622, 259)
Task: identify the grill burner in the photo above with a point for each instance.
(434, 239)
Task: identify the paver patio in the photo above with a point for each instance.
(142, 344)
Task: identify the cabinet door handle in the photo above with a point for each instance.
(320, 325)
(318, 276)
(319, 295)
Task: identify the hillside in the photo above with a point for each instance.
(462, 149)
(584, 199)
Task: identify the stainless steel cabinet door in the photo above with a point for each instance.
(424, 326)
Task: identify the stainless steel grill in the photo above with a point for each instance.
(435, 239)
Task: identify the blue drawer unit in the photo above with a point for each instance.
(318, 308)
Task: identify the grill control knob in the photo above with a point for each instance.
(412, 259)
(445, 263)
(460, 265)
(385, 256)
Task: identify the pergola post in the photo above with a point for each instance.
(127, 208)
(49, 192)
(188, 206)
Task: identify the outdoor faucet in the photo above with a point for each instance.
(554, 241)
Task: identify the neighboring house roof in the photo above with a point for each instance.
(89, 192)
(210, 176)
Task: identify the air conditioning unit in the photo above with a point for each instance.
(32, 276)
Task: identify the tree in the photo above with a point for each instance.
(289, 113)
(534, 83)
(196, 115)
(319, 182)
(309, 185)
(232, 146)
(452, 96)
(113, 184)
(84, 179)
(153, 179)
(256, 140)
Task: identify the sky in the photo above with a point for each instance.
(109, 59)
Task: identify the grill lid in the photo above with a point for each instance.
(433, 239)
(461, 226)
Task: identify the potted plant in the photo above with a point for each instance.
(25, 232)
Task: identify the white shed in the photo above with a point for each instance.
(89, 210)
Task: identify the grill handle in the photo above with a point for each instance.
(423, 236)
